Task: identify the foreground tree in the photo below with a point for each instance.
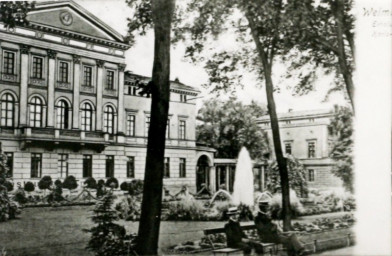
(229, 125)
(157, 14)
(264, 28)
(13, 13)
(341, 127)
(324, 36)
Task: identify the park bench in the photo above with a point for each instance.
(269, 248)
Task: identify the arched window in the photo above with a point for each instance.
(7, 110)
(108, 120)
(62, 114)
(87, 114)
(36, 108)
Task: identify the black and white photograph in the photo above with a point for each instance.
(204, 127)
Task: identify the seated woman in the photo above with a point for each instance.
(236, 238)
(269, 232)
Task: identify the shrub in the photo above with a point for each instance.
(129, 208)
(70, 182)
(58, 183)
(111, 182)
(186, 210)
(9, 185)
(90, 182)
(276, 206)
(20, 196)
(135, 187)
(107, 237)
(45, 183)
(29, 186)
(124, 186)
(100, 188)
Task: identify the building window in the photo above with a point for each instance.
(87, 114)
(36, 165)
(62, 114)
(288, 122)
(288, 148)
(310, 175)
(10, 164)
(62, 165)
(311, 120)
(7, 110)
(36, 108)
(87, 166)
(168, 129)
(147, 125)
(182, 167)
(311, 149)
(182, 130)
(9, 63)
(37, 67)
(183, 98)
(131, 125)
(87, 76)
(166, 171)
(108, 120)
(109, 166)
(110, 80)
(131, 167)
(63, 72)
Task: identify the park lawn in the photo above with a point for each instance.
(59, 231)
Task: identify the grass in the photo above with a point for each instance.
(58, 231)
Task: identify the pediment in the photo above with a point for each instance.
(71, 17)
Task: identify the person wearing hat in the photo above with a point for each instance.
(269, 232)
(236, 238)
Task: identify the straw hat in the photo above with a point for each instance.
(232, 211)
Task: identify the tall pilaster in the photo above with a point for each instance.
(76, 92)
(51, 84)
(24, 72)
(100, 64)
(121, 110)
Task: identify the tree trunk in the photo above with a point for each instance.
(162, 12)
(281, 160)
(337, 10)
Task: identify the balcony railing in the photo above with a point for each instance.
(87, 88)
(9, 77)
(110, 92)
(63, 85)
(37, 81)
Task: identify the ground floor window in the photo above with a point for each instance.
(109, 166)
(131, 167)
(166, 171)
(36, 165)
(87, 166)
(310, 175)
(10, 164)
(63, 165)
(182, 167)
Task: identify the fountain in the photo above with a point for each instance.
(243, 182)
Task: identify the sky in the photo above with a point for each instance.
(139, 60)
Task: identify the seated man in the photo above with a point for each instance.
(236, 238)
(269, 232)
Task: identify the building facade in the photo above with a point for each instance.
(68, 107)
(305, 135)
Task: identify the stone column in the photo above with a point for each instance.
(51, 84)
(100, 64)
(212, 174)
(76, 92)
(24, 72)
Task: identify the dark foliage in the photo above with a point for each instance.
(107, 237)
(9, 185)
(124, 186)
(70, 183)
(29, 186)
(58, 183)
(135, 188)
(111, 183)
(45, 183)
(13, 13)
(90, 182)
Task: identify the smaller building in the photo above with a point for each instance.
(305, 135)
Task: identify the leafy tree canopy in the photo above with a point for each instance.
(229, 125)
(341, 127)
(13, 13)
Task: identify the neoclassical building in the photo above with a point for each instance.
(305, 135)
(68, 107)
